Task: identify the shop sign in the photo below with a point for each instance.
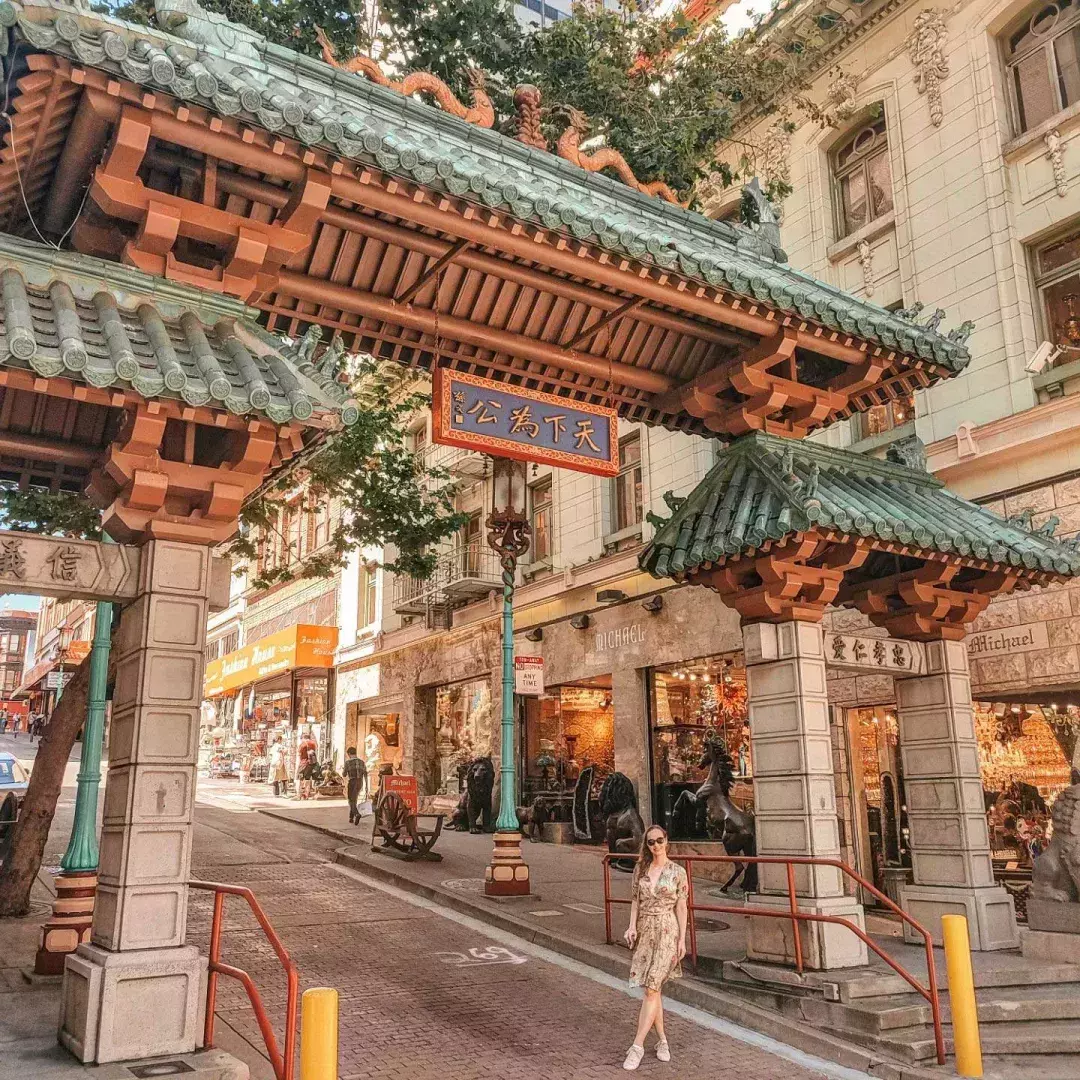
(405, 786)
(529, 675)
(1028, 637)
(619, 638)
(874, 654)
(295, 647)
(511, 421)
(57, 679)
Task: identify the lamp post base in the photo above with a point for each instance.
(508, 874)
(69, 925)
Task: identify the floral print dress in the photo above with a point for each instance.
(656, 951)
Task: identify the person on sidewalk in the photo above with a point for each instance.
(657, 934)
(356, 776)
(3, 721)
(279, 775)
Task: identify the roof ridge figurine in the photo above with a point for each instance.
(482, 113)
(189, 20)
(568, 148)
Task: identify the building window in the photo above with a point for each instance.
(628, 484)
(543, 545)
(879, 419)
(1057, 276)
(367, 607)
(862, 179)
(1043, 57)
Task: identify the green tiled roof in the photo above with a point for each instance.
(345, 114)
(765, 489)
(106, 325)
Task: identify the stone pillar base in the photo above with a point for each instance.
(825, 946)
(139, 1004)
(69, 925)
(1049, 947)
(508, 874)
(988, 910)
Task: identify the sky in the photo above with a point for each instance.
(737, 17)
(19, 603)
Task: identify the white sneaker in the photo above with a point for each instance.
(633, 1058)
(662, 1051)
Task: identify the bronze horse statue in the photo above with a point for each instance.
(716, 815)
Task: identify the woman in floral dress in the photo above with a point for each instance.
(657, 934)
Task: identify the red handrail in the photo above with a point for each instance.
(282, 1066)
(929, 992)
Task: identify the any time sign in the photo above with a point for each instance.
(510, 421)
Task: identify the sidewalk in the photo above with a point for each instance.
(565, 913)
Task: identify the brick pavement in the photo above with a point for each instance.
(414, 1003)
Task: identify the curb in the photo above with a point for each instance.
(611, 960)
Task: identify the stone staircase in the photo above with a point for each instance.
(1029, 1015)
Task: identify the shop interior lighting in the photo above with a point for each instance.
(653, 604)
(535, 634)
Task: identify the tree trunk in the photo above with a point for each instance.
(31, 831)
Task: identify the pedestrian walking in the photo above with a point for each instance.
(3, 721)
(657, 934)
(356, 776)
(279, 775)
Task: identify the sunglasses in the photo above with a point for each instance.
(656, 841)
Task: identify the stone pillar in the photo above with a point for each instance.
(950, 841)
(795, 796)
(136, 989)
(632, 748)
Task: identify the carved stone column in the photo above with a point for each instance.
(795, 796)
(135, 990)
(950, 841)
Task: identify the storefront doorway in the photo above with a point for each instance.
(566, 729)
(688, 702)
(464, 725)
(376, 734)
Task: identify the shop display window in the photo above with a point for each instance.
(566, 729)
(464, 722)
(310, 696)
(879, 793)
(688, 702)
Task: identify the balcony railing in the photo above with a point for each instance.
(466, 572)
(461, 464)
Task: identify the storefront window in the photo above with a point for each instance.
(689, 702)
(1024, 765)
(567, 729)
(464, 721)
(377, 738)
(311, 710)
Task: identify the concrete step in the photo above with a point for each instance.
(1043, 1067)
(916, 1044)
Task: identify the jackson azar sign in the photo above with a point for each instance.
(511, 421)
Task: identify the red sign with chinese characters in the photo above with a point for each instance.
(405, 786)
(511, 421)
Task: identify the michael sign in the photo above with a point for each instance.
(1025, 638)
(609, 640)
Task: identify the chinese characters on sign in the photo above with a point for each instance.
(874, 654)
(65, 563)
(12, 559)
(511, 421)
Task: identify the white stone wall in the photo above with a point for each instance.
(970, 197)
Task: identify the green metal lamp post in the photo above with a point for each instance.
(76, 885)
(508, 534)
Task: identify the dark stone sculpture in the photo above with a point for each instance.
(723, 820)
(531, 818)
(474, 806)
(623, 826)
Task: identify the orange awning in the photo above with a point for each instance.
(74, 655)
(296, 647)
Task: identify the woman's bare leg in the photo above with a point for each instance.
(658, 1019)
(649, 1006)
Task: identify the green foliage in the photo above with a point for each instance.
(372, 475)
(62, 514)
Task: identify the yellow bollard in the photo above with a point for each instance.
(965, 1015)
(319, 1034)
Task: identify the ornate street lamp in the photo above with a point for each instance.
(508, 534)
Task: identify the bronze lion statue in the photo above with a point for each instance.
(474, 808)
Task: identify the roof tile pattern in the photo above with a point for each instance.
(105, 325)
(765, 489)
(320, 106)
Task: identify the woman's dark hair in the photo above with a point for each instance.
(645, 860)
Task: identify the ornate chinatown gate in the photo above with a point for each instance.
(200, 165)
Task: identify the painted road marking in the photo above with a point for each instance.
(492, 954)
(585, 909)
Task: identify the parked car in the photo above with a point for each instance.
(13, 783)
